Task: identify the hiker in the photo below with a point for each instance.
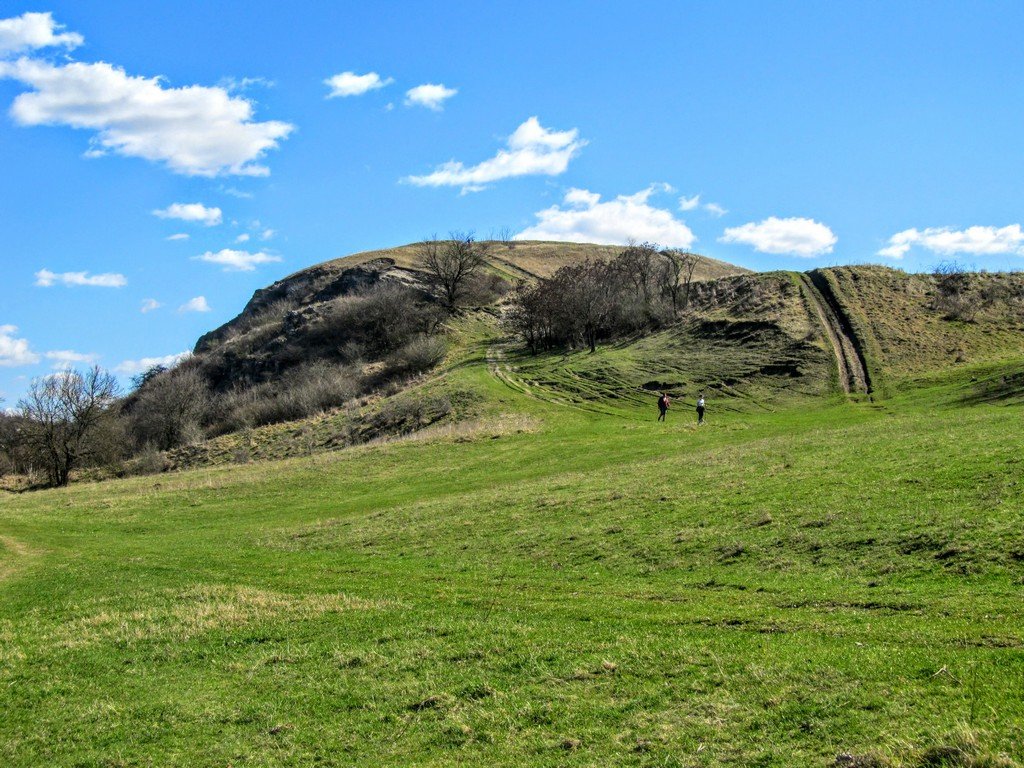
(700, 409)
(662, 406)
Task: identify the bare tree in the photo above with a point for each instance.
(169, 407)
(506, 236)
(451, 264)
(638, 264)
(61, 415)
(676, 277)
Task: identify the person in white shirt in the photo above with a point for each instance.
(700, 409)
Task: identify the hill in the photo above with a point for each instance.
(513, 563)
(754, 342)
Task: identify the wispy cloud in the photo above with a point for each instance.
(177, 236)
(197, 212)
(429, 95)
(792, 236)
(531, 150)
(351, 84)
(583, 218)
(946, 241)
(133, 367)
(13, 351)
(692, 203)
(66, 358)
(198, 304)
(148, 305)
(45, 279)
(237, 261)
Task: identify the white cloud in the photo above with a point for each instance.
(132, 367)
(351, 84)
(66, 358)
(429, 95)
(689, 203)
(793, 236)
(209, 217)
(692, 203)
(976, 241)
(45, 278)
(34, 30)
(583, 218)
(243, 238)
(198, 304)
(194, 130)
(14, 352)
(235, 192)
(237, 261)
(531, 150)
(266, 234)
(148, 305)
(178, 236)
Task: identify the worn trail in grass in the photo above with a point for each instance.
(592, 589)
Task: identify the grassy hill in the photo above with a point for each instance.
(529, 258)
(539, 573)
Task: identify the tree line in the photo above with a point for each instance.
(643, 287)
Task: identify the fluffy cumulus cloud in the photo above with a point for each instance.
(193, 130)
(15, 351)
(583, 218)
(45, 279)
(351, 84)
(237, 261)
(30, 31)
(429, 95)
(63, 359)
(197, 304)
(531, 150)
(133, 367)
(790, 237)
(945, 241)
(197, 212)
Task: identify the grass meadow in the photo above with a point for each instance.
(562, 582)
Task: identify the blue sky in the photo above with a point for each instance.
(813, 134)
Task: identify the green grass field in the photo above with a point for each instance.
(563, 581)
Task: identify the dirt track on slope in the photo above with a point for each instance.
(853, 373)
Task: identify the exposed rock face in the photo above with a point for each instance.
(305, 290)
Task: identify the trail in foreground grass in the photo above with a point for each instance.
(772, 590)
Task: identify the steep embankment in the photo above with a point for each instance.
(853, 372)
(904, 327)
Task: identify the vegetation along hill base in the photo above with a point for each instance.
(391, 517)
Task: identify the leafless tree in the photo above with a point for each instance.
(638, 263)
(62, 413)
(450, 264)
(506, 236)
(169, 408)
(677, 276)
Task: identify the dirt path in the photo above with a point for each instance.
(853, 373)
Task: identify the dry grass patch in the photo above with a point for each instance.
(184, 614)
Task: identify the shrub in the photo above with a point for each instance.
(419, 355)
